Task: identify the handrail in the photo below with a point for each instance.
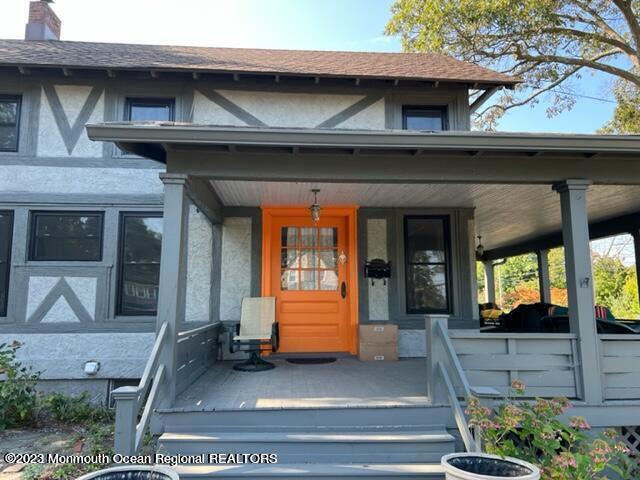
(145, 380)
(129, 433)
(470, 444)
(442, 358)
(453, 358)
(197, 330)
(148, 408)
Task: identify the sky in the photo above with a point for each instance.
(295, 24)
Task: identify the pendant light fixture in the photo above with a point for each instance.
(315, 207)
(479, 248)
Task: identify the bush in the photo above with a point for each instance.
(531, 431)
(18, 397)
(75, 409)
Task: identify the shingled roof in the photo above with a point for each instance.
(117, 56)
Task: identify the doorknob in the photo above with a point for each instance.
(343, 290)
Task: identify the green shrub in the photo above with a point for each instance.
(75, 409)
(18, 399)
(532, 431)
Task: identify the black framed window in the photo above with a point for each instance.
(10, 106)
(425, 118)
(6, 235)
(427, 263)
(66, 236)
(150, 110)
(139, 263)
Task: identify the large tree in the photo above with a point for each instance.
(549, 44)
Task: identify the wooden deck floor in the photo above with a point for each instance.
(345, 383)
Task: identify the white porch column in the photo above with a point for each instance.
(489, 282)
(171, 295)
(575, 236)
(543, 276)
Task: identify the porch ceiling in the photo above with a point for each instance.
(505, 214)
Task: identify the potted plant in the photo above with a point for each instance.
(524, 439)
(133, 472)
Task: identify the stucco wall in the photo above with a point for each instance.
(235, 266)
(199, 267)
(62, 356)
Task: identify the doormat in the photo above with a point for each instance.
(311, 360)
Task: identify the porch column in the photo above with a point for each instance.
(543, 276)
(171, 295)
(636, 246)
(575, 236)
(489, 282)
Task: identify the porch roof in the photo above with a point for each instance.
(506, 177)
(151, 140)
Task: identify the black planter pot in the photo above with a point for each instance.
(133, 472)
(480, 466)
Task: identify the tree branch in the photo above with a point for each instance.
(631, 19)
(615, 71)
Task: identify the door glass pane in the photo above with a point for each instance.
(329, 237)
(308, 237)
(329, 280)
(309, 279)
(290, 258)
(328, 258)
(426, 288)
(289, 280)
(289, 236)
(309, 259)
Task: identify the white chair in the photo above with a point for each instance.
(257, 328)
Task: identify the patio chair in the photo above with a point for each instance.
(258, 328)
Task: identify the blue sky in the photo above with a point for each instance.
(297, 24)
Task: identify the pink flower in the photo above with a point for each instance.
(579, 423)
(565, 460)
(518, 386)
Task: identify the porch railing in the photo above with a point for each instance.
(547, 363)
(443, 369)
(196, 351)
(620, 366)
(129, 432)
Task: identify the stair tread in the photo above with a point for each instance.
(382, 470)
(311, 436)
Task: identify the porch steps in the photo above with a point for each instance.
(320, 446)
(315, 471)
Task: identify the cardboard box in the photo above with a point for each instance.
(380, 334)
(378, 352)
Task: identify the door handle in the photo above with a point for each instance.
(343, 290)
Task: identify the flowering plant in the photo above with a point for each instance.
(532, 431)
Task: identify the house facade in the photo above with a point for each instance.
(97, 293)
(146, 190)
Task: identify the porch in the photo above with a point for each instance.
(572, 184)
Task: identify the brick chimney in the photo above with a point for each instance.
(43, 24)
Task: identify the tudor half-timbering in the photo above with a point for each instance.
(146, 190)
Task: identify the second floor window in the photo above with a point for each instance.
(150, 110)
(433, 119)
(66, 236)
(9, 122)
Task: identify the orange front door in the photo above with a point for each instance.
(309, 274)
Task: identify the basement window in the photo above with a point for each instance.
(432, 119)
(9, 122)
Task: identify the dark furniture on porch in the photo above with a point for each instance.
(257, 329)
(548, 318)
